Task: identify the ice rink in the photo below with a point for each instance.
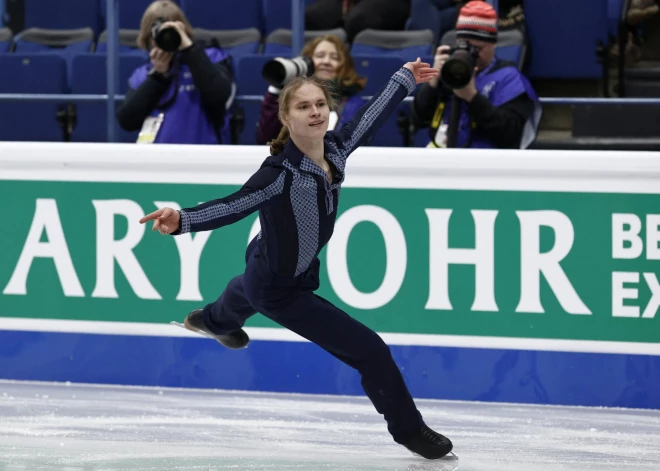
(46, 426)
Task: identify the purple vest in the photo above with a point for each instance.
(185, 121)
(500, 83)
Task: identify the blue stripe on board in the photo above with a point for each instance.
(587, 379)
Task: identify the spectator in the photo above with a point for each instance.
(498, 108)
(357, 15)
(332, 62)
(180, 97)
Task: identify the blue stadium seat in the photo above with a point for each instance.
(614, 16)
(280, 41)
(277, 14)
(6, 40)
(127, 43)
(408, 45)
(223, 14)
(512, 47)
(65, 43)
(89, 77)
(425, 15)
(237, 43)
(573, 53)
(250, 82)
(31, 73)
(378, 69)
(130, 12)
(62, 14)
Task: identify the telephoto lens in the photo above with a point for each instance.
(278, 72)
(459, 68)
(168, 38)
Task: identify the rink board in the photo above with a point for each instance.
(566, 378)
(497, 276)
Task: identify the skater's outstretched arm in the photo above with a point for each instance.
(261, 189)
(370, 117)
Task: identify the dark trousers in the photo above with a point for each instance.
(374, 14)
(292, 303)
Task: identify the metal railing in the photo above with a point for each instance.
(298, 28)
(70, 97)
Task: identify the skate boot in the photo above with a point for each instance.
(429, 444)
(234, 340)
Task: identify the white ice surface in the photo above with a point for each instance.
(47, 426)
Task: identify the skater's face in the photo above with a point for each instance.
(308, 112)
(326, 60)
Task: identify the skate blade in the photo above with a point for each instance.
(200, 332)
(449, 462)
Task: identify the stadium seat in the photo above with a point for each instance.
(250, 82)
(614, 16)
(574, 52)
(66, 43)
(237, 42)
(70, 41)
(280, 41)
(378, 69)
(90, 77)
(512, 47)
(223, 14)
(130, 12)
(425, 15)
(62, 14)
(407, 45)
(31, 73)
(277, 14)
(6, 40)
(127, 43)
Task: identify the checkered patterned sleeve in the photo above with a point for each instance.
(264, 187)
(370, 117)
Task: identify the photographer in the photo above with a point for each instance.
(328, 59)
(182, 96)
(497, 106)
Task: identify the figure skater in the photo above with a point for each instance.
(296, 191)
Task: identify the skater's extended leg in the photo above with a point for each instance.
(230, 311)
(225, 318)
(358, 346)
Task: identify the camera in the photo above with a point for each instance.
(459, 68)
(168, 39)
(278, 72)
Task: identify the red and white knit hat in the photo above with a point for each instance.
(477, 20)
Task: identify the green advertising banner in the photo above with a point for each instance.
(575, 262)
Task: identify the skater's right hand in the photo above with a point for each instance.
(166, 220)
(422, 71)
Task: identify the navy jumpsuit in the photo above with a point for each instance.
(297, 207)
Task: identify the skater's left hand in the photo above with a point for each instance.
(166, 220)
(422, 71)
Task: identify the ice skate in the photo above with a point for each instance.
(430, 445)
(235, 340)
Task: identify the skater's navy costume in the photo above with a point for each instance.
(297, 209)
